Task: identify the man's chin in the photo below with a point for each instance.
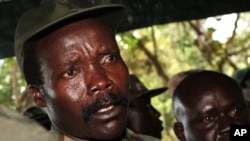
(112, 130)
(110, 127)
(109, 134)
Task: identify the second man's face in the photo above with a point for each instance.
(210, 116)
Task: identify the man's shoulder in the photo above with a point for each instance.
(16, 127)
(131, 136)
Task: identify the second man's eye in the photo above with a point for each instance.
(236, 111)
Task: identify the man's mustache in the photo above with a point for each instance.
(100, 102)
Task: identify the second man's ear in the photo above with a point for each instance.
(37, 95)
(179, 131)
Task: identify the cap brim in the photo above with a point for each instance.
(154, 92)
(111, 14)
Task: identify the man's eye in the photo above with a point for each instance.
(109, 58)
(70, 73)
(208, 119)
(236, 111)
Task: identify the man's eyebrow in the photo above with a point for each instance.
(109, 50)
(205, 110)
(68, 61)
(236, 104)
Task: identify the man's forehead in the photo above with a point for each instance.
(201, 99)
(215, 100)
(204, 81)
(190, 108)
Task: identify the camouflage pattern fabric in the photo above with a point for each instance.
(131, 136)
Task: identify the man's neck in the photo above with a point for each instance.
(63, 137)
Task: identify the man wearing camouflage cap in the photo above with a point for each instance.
(67, 52)
(143, 118)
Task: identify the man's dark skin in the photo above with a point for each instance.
(143, 118)
(79, 68)
(205, 104)
(67, 52)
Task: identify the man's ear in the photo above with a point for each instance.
(179, 131)
(37, 95)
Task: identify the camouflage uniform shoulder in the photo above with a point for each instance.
(131, 136)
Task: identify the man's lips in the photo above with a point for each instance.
(159, 124)
(105, 105)
(107, 113)
(106, 109)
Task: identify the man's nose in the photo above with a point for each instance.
(223, 125)
(153, 111)
(99, 81)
